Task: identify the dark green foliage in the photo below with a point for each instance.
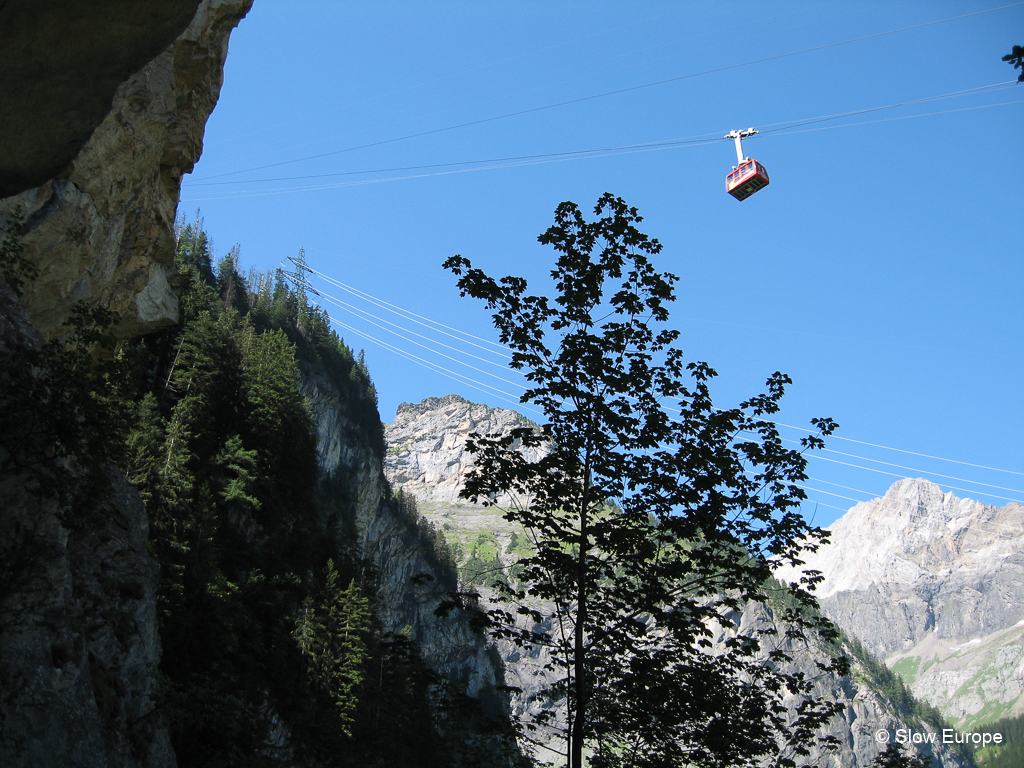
(1009, 754)
(483, 567)
(331, 634)
(231, 286)
(15, 269)
(890, 685)
(61, 415)
(894, 757)
(265, 617)
(224, 455)
(650, 522)
(1016, 58)
(193, 250)
(276, 306)
(436, 550)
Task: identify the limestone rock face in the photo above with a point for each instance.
(60, 66)
(918, 562)
(103, 232)
(865, 712)
(78, 626)
(427, 444)
(349, 465)
(79, 643)
(935, 584)
(426, 456)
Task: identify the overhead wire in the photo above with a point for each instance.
(704, 138)
(442, 354)
(1000, 531)
(419, 319)
(901, 117)
(478, 385)
(900, 450)
(936, 474)
(563, 157)
(914, 469)
(451, 75)
(507, 396)
(819, 457)
(688, 140)
(401, 312)
(613, 92)
(986, 526)
(786, 125)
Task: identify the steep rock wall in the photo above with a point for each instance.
(103, 232)
(934, 584)
(60, 66)
(78, 625)
(406, 602)
(919, 561)
(427, 456)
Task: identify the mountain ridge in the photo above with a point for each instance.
(426, 456)
(934, 584)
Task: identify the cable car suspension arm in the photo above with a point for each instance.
(739, 136)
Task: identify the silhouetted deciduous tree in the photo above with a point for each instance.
(654, 516)
(1016, 58)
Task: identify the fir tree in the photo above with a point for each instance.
(331, 634)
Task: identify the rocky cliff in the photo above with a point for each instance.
(78, 626)
(427, 456)
(935, 584)
(78, 629)
(399, 556)
(60, 67)
(103, 230)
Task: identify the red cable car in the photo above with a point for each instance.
(749, 175)
(746, 180)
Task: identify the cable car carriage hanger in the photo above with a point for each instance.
(748, 176)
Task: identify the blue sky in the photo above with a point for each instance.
(881, 269)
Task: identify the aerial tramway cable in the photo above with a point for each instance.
(704, 138)
(614, 92)
(509, 397)
(237, 195)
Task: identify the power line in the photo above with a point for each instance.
(442, 354)
(401, 312)
(486, 388)
(893, 474)
(987, 526)
(612, 93)
(406, 313)
(935, 474)
(912, 469)
(900, 450)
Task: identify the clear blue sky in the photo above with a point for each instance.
(881, 269)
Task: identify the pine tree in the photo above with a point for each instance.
(331, 634)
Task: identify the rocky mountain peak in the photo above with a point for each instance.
(915, 531)
(427, 444)
(935, 584)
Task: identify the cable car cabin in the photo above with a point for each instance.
(746, 180)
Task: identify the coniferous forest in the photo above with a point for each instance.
(271, 653)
